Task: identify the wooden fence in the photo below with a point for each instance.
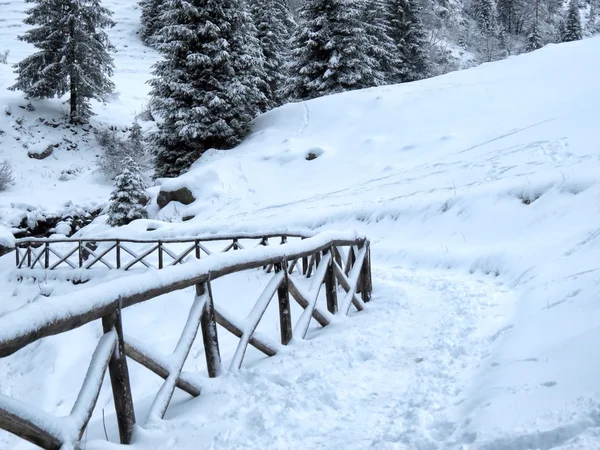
(125, 254)
(340, 264)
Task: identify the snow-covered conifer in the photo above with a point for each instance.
(211, 84)
(485, 16)
(128, 199)
(328, 50)
(72, 54)
(150, 19)
(534, 38)
(377, 22)
(274, 25)
(572, 30)
(408, 35)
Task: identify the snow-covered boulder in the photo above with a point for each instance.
(40, 151)
(7, 241)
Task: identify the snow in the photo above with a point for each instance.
(6, 238)
(479, 193)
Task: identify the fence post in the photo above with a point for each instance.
(118, 254)
(119, 378)
(331, 285)
(366, 285)
(80, 251)
(29, 256)
(17, 256)
(47, 255)
(160, 255)
(209, 331)
(283, 293)
(197, 248)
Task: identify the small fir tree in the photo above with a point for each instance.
(408, 35)
(211, 84)
(572, 28)
(328, 50)
(274, 25)
(534, 38)
(72, 54)
(128, 199)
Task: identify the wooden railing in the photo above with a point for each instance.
(125, 254)
(340, 262)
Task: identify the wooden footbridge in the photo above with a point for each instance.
(339, 262)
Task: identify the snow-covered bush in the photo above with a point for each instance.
(117, 149)
(129, 197)
(6, 175)
(4, 56)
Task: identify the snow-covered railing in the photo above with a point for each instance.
(126, 254)
(338, 261)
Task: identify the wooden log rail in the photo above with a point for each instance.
(338, 262)
(114, 253)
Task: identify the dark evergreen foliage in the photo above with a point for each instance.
(274, 25)
(328, 50)
(72, 54)
(151, 19)
(572, 28)
(377, 22)
(408, 35)
(211, 84)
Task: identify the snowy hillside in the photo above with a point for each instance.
(68, 180)
(479, 191)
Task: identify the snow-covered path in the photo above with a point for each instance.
(390, 377)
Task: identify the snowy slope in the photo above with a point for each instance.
(479, 192)
(69, 175)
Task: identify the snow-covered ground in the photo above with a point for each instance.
(479, 191)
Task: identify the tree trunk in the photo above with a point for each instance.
(73, 114)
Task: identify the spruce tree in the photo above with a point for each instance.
(377, 22)
(274, 25)
(328, 50)
(507, 14)
(406, 31)
(151, 19)
(534, 38)
(485, 16)
(72, 54)
(210, 86)
(572, 30)
(128, 199)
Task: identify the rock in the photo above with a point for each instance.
(182, 195)
(41, 155)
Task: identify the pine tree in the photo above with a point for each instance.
(406, 31)
(377, 22)
(151, 19)
(210, 86)
(275, 25)
(485, 15)
(328, 54)
(507, 14)
(534, 38)
(73, 54)
(572, 30)
(591, 25)
(129, 197)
